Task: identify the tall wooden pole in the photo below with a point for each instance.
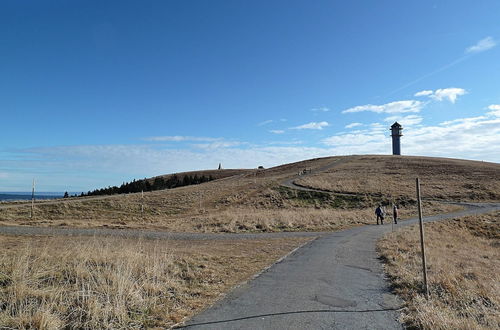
(422, 244)
(32, 199)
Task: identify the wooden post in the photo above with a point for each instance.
(32, 199)
(142, 202)
(422, 244)
(201, 197)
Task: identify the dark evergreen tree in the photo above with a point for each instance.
(159, 183)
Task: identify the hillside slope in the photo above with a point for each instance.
(394, 176)
(255, 200)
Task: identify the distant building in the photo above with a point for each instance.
(396, 134)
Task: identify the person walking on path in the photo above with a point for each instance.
(395, 213)
(379, 212)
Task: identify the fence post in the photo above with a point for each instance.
(422, 244)
(142, 202)
(32, 200)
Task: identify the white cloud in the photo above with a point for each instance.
(180, 139)
(313, 125)
(352, 125)
(441, 94)
(353, 139)
(80, 168)
(424, 93)
(448, 93)
(495, 110)
(468, 138)
(277, 131)
(405, 120)
(482, 45)
(265, 122)
(378, 127)
(320, 109)
(392, 107)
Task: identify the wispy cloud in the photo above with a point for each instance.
(482, 45)
(424, 93)
(217, 145)
(451, 94)
(367, 140)
(320, 109)
(277, 131)
(352, 125)
(313, 125)
(393, 107)
(405, 120)
(177, 138)
(286, 143)
(265, 122)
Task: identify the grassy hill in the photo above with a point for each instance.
(394, 176)
(256, 200)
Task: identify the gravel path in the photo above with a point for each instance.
(334, 282)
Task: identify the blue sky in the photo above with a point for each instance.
(94, 93)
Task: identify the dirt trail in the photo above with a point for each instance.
(147, 234)
(290, 183)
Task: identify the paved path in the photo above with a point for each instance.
(334, 282)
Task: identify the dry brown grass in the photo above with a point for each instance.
(228, 219)
(223, 204)
(394, 176)
(463, 257)
(90, 283)
(236, 220)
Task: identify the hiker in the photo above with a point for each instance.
(395, 213)
(380, 214)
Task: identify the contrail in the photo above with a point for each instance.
(447, 66)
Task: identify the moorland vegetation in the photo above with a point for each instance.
(345, 192)
(463, 259)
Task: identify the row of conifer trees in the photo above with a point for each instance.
(159, 183)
